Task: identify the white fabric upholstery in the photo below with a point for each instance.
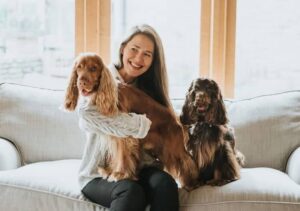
(43, 186)
(267, 130)
(53, 186)
(293, 166)
(10, 157)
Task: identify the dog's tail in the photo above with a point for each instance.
(183, 168)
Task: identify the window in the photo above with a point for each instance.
(178, 24)
(36, 41)
(267, 47)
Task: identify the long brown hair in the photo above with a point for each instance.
(154, 81)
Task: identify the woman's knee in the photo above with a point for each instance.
(163, 181)
(131, 191)
(162, 190)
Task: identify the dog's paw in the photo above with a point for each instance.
(240, 158)
(112, 178)
(116, 176)
(189, 188)
(104, 173)
(220, 182)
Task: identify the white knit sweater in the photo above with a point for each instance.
(99, 128)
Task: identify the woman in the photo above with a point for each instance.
(142, 64)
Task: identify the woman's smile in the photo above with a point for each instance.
(135, 66)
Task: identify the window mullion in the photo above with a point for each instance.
(217, 51)
(93, 23)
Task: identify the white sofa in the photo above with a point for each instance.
(41, 146)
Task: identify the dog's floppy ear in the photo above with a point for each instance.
(106, 98)
(185, 116)
(72, 93)
(217, 114)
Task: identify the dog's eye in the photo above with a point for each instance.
(93, 69)
(192, 94)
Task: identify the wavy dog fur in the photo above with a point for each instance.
(211, 141)
(165, 139)
(90, 74)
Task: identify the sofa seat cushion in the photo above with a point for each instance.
(44, 186)
(258, 188)
(53, 186)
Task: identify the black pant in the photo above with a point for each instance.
(154, 187)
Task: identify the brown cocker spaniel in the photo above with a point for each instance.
(91, 78)
(165, 139)
(211, 141)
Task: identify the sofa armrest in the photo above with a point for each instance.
(293, 166)
(10, 157)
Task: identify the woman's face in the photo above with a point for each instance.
(137, 57)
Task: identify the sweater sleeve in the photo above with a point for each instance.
(121, 125)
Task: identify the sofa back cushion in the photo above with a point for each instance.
(31, 118)
(267, 128)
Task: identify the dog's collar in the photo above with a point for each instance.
(206, 123)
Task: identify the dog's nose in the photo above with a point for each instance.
(83, 81)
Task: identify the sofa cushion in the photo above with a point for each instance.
(31, 118)
(53, 186)
(44, 186)
(258, 189)
(267, 128)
